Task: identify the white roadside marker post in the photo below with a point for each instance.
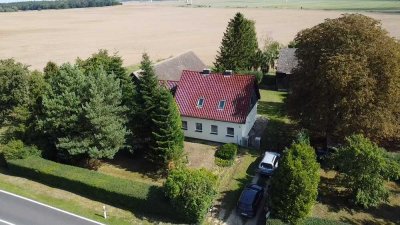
(105, 212)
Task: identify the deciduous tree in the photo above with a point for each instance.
(191, 192)
(363, 170)
(347, 80)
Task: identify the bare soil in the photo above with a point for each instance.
(35, 37)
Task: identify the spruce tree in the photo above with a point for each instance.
(148, 90)
(167, 135)
(294, 186)
(239, 45)
(113, 64)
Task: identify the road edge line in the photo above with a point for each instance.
(51, 207)
(6, 222)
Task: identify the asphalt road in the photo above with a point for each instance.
(16, 210)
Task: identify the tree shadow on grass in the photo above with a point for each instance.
(336, 201)
(135, 163)
(271, 109)
(329, 195)
(278, 135)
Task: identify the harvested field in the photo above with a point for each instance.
(36, 37)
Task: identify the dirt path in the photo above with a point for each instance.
(35, 37)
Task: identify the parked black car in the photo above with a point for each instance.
(249, 200)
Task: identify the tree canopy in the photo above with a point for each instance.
(191, 192)
(363, 169)
(347, 80)
(167, 136)
(294, 186)
(82, 114)
(14, 78)
(239, 45)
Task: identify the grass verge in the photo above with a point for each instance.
(141, 198)
(66, 200)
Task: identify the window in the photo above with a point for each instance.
(199, 127)
(221, 104)
(200, 102)
(184, 125)
(214, 129)
(230, 132)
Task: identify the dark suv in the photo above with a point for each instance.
(249, 200)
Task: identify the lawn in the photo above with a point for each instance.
(362, 5)
(280, 131)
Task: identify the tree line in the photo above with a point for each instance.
(60, 4)
(78, 113)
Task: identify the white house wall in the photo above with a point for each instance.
(206, 133)
(250, 120)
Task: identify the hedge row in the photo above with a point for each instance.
(309, 221)
(140, 198)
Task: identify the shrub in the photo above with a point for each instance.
(363, 169)
(227, 151)
(140, 198)
(15, 149)
(191, 192)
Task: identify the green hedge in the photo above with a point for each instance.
(308, 221)
(140, 198)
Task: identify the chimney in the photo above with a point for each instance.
(206, 72)
(228, 73)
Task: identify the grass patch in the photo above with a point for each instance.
(139, 197)
(280, 130)
(224, 162)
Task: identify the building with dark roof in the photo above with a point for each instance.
(287, 62)
(217, 107)
(171, 69)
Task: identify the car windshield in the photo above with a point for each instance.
(266, 166)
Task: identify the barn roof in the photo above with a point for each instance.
(235, 90)
(171, 69)
(287, 60)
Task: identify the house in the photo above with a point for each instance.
(287, 62)
(219, 107)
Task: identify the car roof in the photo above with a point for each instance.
(269, 157)
(248, 195)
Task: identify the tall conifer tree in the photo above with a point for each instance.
(167, 135)
(239, 45)
(148, 90)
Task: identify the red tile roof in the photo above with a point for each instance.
(236, 90)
